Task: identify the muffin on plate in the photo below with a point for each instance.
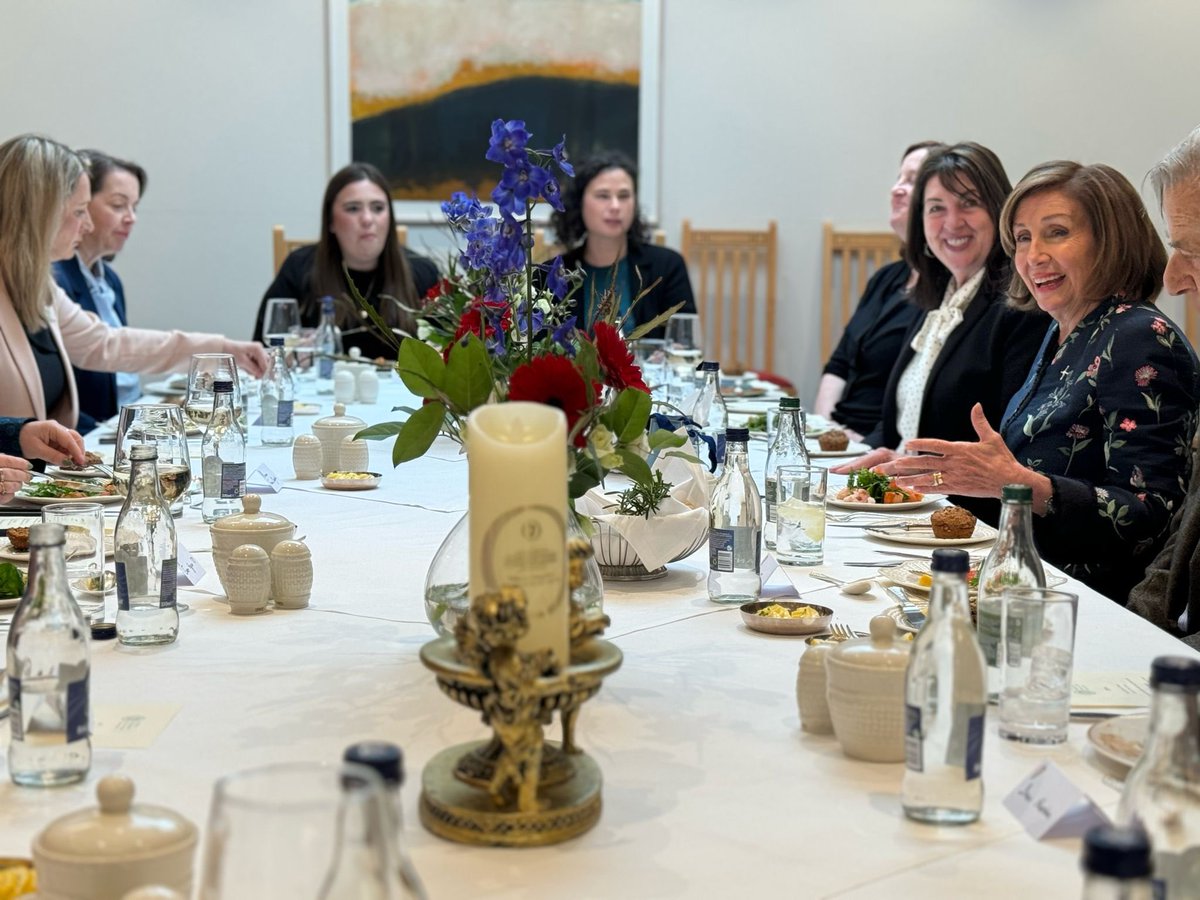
(833, 440)
(952, 522)
(18, 539)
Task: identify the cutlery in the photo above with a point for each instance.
(845, 632)
(912, 613)
(848, 587)
(875, 563)
(870, 524)
(904, 526)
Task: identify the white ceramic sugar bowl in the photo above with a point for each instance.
(866, 693)
(306, 456)
(291, 575)
(104, 853)
(248, 579)
(331, 430)
(250, 526)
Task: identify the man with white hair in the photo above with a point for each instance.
(1169, 595)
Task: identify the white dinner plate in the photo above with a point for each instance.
(105, 499)
(305, 409)
(177, 384)
(908, 574)
(78, 544)
(1121, 738)
(884, 508)
(853, 449)
(921, 538)
(9, 603)
(72, 474)
(351, 484)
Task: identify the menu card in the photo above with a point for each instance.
(1110, 690)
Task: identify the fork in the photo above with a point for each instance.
(845, 632)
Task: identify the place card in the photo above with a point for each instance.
(1048, 804)
(263, 481)
(130, 726)
(1110, 690)
(188, 570)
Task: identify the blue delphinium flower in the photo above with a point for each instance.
(521, 319)
(462, 211)
(507, 145)
(562, 335)
(519, 183)
(555, 281)
(559, 152)
(551, 194)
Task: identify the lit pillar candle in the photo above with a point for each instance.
(517, 460)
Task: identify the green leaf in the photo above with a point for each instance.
(629, 415)
(664, 437)
(381, 431)
(634, 466)
(421, 369)
(418, 432)
(468, 382)
(646, 327)
(11, 582)
(682, 454)
(585, 477)
(588, 362)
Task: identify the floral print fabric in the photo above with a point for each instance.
(1109, 416)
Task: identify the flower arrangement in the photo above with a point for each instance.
(501, 328)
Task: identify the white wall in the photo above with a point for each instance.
(789, 109)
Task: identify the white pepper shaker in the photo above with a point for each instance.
(306, 456)
(291, 575)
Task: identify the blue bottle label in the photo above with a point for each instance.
(16, 720)
(78, 723)
(283, 414)
(974, 760)
(167, 587)
(914, 758)
(325, 367)
(233, 480)
(720, 549)
(122, 587)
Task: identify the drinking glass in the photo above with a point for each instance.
(281, 319)
(1037, 647)
(684, 349)
(650, 355)
(207, 368)
(84, 550)
(800, 514)
(279, 831)
(161, 424)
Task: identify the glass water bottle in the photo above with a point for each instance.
(145, 552)
(735, 528)
(786, 449)
(710, 415)
(278, 394)
(223, 457)
(1116, 864)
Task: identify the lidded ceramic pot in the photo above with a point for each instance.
(248, 579)
(291, 575)
(104, 853)
(866, 693)
(306, 456)
(331, 430)
(811, 687)
(250, 526)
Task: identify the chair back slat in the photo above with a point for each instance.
(849, 259)
(281, 245)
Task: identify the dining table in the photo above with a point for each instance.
(711, 788)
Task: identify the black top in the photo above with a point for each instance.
(647, 264)
(1108, 415)
(869, 346)
(295, 280)
(984, 360)
(50, 365)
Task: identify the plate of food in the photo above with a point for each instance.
(786, 617)
(43, 493)
(305, 409)
(833, 442)
(869, 491)
(950, 526)
(916, 575)
(71, 470)
(1121, 738)
(351, 481)
(176, 384)
(14, 546)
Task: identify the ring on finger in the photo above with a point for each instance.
(937, 479)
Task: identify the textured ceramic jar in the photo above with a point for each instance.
(811, 687)
(291, 575)
(250, 526)
(368, 385)
(331, 430)
(355, 456)
(866, 693)
(248, 580)
(104, 853)
(306, 457)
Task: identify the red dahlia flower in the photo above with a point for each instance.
(616, 361)
(555, 381)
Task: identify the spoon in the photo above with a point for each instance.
(848, 587)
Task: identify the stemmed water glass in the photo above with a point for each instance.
(281, 319)
(685, 349)
(161, 424)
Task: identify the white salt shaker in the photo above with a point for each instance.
(344, 386)
(368, 385)
(248, 580)
(306, 456)
(291, 575)
(354, 455)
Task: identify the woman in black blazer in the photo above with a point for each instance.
(601, 224)
(969, 346)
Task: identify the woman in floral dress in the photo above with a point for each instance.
(1101, 427)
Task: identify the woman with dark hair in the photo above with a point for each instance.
(969, 346)
(851, 388)
(1102, 425)
(602, 225)
(87, 277)
(357, 240)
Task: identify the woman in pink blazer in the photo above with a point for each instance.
(44, 194)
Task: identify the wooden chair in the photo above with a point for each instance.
(733, 278)
(850, 258)
(543, 252)
(283, 245)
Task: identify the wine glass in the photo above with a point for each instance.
(161, 424)
(685, 350)
(281, 319)
(299, 830)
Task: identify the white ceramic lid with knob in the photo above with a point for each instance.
(879, 651)
(326, 426)
(253, 521)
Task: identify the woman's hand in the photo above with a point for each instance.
(867, 461)
(14, 472)
(969, 469)
(250, 357)
(52, 442)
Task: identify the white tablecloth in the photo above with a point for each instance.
(711, 789)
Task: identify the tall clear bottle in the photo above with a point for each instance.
(364, 866)
(1012, 562)
(1162, 792)
(223, 457)
(387, 760)
(278, 395)
(945, 696)
(1116, 864)
(786, 449)
(710, 414)
(48, 672)
(735, 528)
(145, 553)
(328, 343)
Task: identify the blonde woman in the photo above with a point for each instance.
(44, 194)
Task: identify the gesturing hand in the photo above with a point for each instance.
(866, 461)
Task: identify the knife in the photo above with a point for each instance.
(911, 612)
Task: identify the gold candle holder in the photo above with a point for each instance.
(516, 789)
